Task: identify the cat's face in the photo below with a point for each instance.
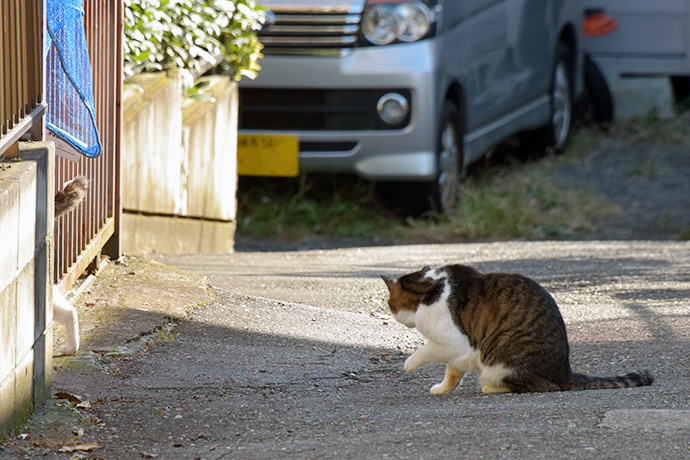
(403, 302)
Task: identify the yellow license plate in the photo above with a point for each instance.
(267, 155)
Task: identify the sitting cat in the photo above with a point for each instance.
(505, 326)
(64, 313)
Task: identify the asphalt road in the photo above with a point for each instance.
(290, 355)
(319, 374)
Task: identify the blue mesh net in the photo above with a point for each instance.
(71, 108)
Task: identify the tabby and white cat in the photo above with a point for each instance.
(505, 326)
(64, 313)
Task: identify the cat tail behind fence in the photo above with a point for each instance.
(71, 195)
(590, 382)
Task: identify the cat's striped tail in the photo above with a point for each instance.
(70, 196)
(590, 382)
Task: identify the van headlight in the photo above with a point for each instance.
(385, 23)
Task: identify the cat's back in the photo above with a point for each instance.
(470, 286)
(516, 290)
(500, 301)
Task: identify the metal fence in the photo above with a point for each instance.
(21, 71)
(93, 229)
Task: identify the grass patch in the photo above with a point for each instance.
(526, 201)
(505, 199)
(648, 169)
(325, 205)
(684, 234)
(653, 129)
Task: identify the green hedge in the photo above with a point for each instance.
(188, 33)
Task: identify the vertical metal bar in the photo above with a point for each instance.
(33, 54)
(114, 171)
(39, 8)
(17, 63)
(91, 20)
(3, 68)
(22, 51)
(102, 99)
(12, 66)
(108, 62)
(31, 51)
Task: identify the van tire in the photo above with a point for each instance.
(554, 136)
(441, 194)
(444, 191)
(599, 100)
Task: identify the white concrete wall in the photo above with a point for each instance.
(209, 141)
(179, 160)
(26, 245)
(151, 144)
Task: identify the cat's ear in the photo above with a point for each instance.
(426, 268)
(390, 282)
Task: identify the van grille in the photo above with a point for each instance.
(330, 32)
(298, 109)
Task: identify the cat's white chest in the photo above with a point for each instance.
(436, 324)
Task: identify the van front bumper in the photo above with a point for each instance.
(329, 104)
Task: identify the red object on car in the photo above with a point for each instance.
(598, 23)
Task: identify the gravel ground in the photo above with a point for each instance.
(649, 179)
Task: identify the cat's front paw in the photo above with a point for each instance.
(441, 389)
(410, 365)
(68, 349)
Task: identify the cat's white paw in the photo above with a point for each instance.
(68, 349)
(413, 363)
(441, 389)
(410, 365)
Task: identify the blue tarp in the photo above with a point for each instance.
(71, 108)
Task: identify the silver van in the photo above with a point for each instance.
(408, 93)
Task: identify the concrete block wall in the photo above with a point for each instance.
(26, 248)
(179, 179)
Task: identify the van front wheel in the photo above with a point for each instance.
(441, 194)
(554, 136)
(444, 192)
(561, 103)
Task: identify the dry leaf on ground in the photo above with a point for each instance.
(68, 396)
(80, 447)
